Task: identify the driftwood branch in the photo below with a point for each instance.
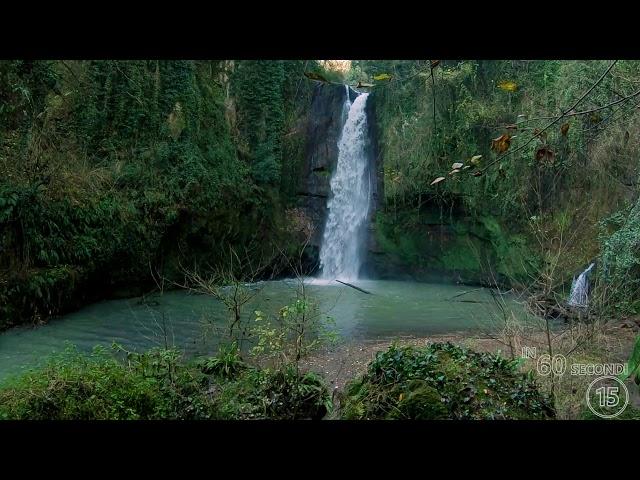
(353, 286)
(470, 301)
(465, 292)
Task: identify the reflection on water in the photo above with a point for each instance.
(177, 318)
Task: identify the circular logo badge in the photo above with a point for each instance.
(607, 397)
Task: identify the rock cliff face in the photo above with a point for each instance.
(376, 176)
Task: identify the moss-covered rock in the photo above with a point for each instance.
(450, 247)
(443, 381)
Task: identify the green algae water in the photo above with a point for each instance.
(178, 318)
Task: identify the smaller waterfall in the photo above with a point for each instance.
(579, 296)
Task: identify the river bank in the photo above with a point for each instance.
(606, 344)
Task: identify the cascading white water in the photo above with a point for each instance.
(579, 296)
(347, 105)
(344, 233)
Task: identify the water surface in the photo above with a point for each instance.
(177, 318)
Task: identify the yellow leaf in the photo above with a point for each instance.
(401, 396)
(475, 160)
(382, 77)
(508, 86)
(456, 165)
(437, 180)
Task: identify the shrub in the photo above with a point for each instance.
(443, 381)
(75, 386)
(281, 394)
(226, 364)
(158, 385)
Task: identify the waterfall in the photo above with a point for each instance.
(347, 106)
(579, 296)
(348, 207)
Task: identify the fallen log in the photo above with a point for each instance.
(470, 301)
(353, 286)
(464, 293)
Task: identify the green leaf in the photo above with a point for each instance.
(634, 361)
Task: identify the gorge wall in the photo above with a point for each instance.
(435, 245)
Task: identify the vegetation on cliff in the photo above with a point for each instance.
(116, 170)
(119, 177)
(525, 215)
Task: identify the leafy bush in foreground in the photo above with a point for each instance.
(158, 385)
(74, 386)
(281, 394)
(227, 364)
(443, 381)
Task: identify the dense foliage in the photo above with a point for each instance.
(280, 394)
(112, 170)
(74, 386)
(525, 215)
(159, 384)
(443, 381)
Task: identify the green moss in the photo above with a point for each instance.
(512, 256)
(461, 256)
(464, 248)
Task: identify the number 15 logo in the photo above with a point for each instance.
(608, 396)
(611, 399)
